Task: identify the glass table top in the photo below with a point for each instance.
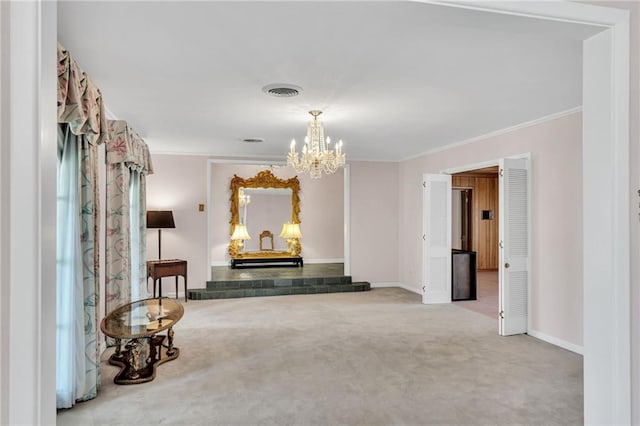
(142, 318)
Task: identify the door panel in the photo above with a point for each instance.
(515, 247)
(437, 239)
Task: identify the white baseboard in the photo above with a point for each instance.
(323, 260)
(220, 263)
(395, 284)
(557, 342)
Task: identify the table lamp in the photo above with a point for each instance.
(291, 232)
(240, 234)
(160, 219)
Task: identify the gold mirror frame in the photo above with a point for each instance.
(264, 179)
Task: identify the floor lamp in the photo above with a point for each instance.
(160, 219)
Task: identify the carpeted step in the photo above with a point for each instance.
(278, 282)
(230, 292)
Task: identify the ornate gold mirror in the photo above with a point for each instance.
(251, 201)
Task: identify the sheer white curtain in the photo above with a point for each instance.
(77, 350)
(82, 127)
(69, 306)
(137, 276)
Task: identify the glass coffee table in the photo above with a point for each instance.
(139, 324)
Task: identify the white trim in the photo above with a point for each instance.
(470, 167)
(31, 197)
(554, 11)
(495, 133)
(319, 261)
(556, 342)
(396, 284)
(606, 219)
(209, 220)
(5, 120)
(346, 218)
(220, 158)
(239, 161)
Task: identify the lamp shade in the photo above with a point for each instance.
(285, 227)
(160, 219)
(240, 233)
(294, 231)
(290, 230)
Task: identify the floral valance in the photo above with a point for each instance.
(125, 146)
(79, 100)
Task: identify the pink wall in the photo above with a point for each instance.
(179, 184)
(556, 258)
(374, 221)
(321, 211)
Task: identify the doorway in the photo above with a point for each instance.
(512, 244)
(474, 224)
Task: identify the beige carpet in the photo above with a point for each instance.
(487, 295)
(373, 358)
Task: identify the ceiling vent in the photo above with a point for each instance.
(253, 140)
(280, 90)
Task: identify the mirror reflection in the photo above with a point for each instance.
(265, 209)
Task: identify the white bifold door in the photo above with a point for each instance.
(515, 245)
(436, 275)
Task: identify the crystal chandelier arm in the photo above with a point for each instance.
(316, 155)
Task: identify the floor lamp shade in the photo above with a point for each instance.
(160, 219)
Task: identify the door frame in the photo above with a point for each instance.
(607, 348)
(607, 399)
(491, 163)
(346, 183)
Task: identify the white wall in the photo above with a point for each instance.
(4, 210)
(555, 148)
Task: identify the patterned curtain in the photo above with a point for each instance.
(82, 126)
(128, 163)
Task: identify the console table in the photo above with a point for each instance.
(139, 324)
(157, 269)
(266, 258)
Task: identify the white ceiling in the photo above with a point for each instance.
(394, 79)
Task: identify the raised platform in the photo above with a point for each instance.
(276, 287)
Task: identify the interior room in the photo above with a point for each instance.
(475, 218)
(216, 259)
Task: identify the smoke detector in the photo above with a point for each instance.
(281, 90)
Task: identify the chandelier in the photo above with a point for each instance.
(317, 156)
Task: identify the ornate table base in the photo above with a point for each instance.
(141, 356)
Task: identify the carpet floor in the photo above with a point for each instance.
(372, 358)
(487, 295)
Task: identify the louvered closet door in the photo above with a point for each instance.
(515, 242)
(436, 286)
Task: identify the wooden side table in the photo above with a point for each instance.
(157, 269)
